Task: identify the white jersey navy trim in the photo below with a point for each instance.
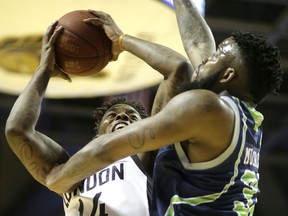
(117, 190)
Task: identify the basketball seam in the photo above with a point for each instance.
(69, 29)
(110, 54)
(92, 44)
(92, 65)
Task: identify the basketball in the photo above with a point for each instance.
(82, 49)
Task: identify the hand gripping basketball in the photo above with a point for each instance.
(82, 49)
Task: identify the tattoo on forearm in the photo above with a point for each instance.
(137, 141)
(26, 152)
(38, 171)
(27, 155)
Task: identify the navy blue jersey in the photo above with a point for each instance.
(226, 185)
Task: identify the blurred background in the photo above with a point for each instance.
(67, 109)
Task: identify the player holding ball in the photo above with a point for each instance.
(108, 196)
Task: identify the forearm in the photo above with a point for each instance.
(98, 154)
(26, 110)
(159, 57)
(196, 35)
(90, 159)
(37, 152)
(172, 65)
(169, 88)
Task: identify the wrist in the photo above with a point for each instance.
(120, 41)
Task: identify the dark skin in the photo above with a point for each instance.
(33, 147)
(45, 155)
(36, 151)
(200, 109)
(188, 117)
(174, 73)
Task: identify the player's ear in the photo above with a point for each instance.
(228, 75)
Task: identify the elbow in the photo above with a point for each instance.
(13, 132)
(57, 183)
(183, 71)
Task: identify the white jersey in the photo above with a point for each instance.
(118, 190)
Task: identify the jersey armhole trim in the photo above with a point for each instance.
(222, 157)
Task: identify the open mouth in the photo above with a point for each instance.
(119, 126)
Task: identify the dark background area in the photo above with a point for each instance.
(70, 122)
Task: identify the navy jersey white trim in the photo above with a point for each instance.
(221, 158)
(228, 183)
(118, 190)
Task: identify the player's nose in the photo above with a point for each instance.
(122, 116)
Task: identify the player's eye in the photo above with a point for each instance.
(134, 118)
(111, 115)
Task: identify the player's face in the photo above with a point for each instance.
(118, 117)
(209, 72)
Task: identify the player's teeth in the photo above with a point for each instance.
(119, 126)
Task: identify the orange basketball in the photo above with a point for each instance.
(82, 49)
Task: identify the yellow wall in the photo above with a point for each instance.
(147, 19)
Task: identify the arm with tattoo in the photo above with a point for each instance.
(174, 67)
(197, 38)
(37, 152)
(196, 109)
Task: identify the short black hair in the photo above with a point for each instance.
(99, 112)
(263, 62)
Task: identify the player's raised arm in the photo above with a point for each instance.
(196, 35)
(38, 153)
(174, 67)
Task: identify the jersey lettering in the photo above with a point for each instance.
(112, 173)
(102, 210)
(104, 176)
(94, 208)
(101, 194)
(251, 157)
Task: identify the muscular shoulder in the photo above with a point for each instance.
(210, 123)
(198, 115)
(194, 110)
(198, 101)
